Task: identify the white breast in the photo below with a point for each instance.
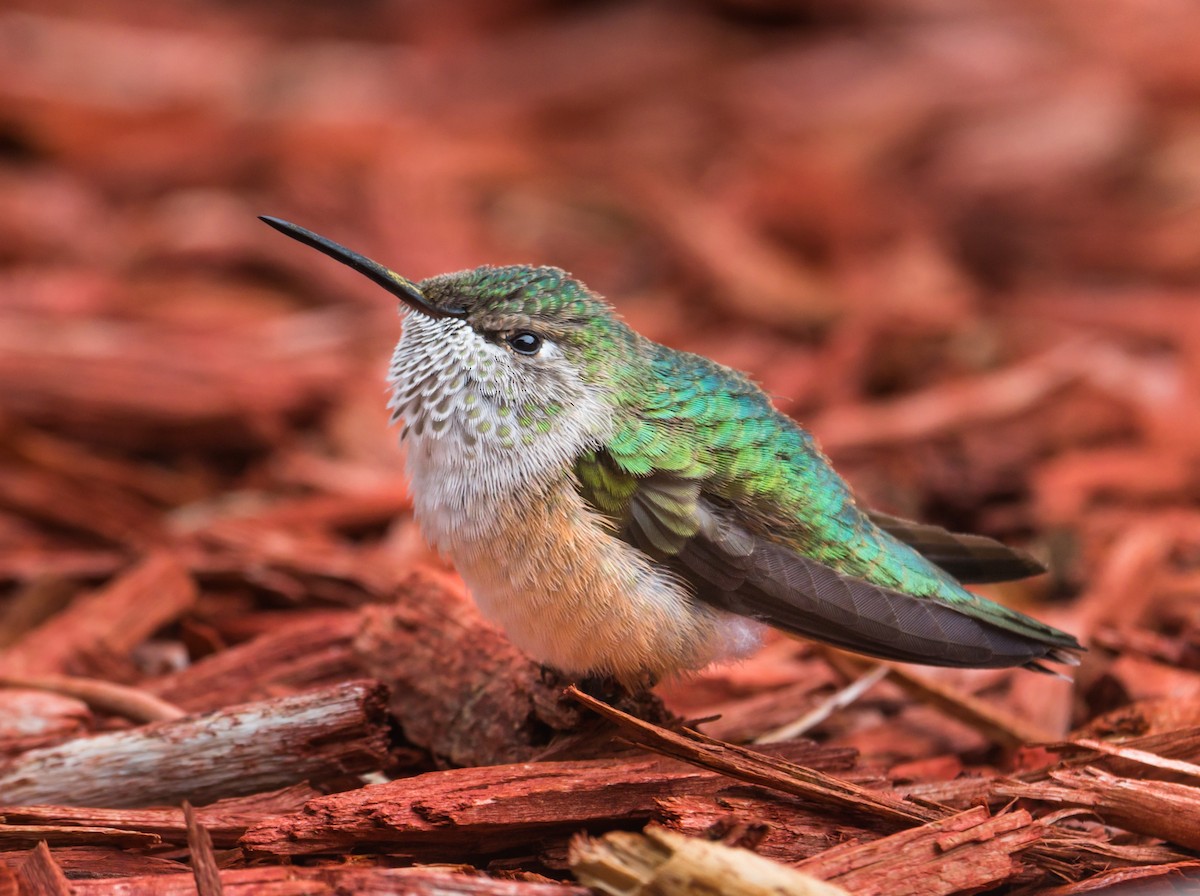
(499, 498)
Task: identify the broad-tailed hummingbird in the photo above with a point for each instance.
(625, 509)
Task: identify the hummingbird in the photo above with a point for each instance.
(626, 510)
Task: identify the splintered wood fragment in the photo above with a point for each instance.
(1119, 589)
(382, 502)
(100, 862)
(1181, 744)
(1073, 856)
(114, 619)
(51, 369)
(755, 768)
(15, 835)
(204, 862)
(1069, 854)
(751, 275)
(313, 557)
(460, 811)
(660, 862)
(1131, 754)
(778, 826)
(40, 874)
(289, 880)
(225, 820)
(244, 749)
(1179, 875)
(75, 460)
(32, 604)
(1160, 809)
(965, 852)
(97, 509)
(442, 815)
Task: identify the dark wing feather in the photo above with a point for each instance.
(733, 569)
(969, 558)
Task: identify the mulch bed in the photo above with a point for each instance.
(959, 244)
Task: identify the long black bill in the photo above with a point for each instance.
(403, 288)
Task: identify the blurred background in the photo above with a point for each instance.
(958, 239)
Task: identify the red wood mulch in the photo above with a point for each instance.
(958, 241)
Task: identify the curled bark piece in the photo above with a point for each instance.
(105, 696)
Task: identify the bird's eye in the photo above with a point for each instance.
(524, 343)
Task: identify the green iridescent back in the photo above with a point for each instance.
(687, 416)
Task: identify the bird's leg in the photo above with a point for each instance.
(630, 695)
(604, 688)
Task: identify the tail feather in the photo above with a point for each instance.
(973, 559)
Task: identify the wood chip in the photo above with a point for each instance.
(29, 835)
(40, 874)
(204, 862)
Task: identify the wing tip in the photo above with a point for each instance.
(970, 558)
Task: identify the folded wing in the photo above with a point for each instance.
(732, 568)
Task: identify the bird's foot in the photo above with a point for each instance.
(550, 676)
(630, 696)
(604, 688)
(608, 688)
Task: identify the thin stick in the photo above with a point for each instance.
(839, 700)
